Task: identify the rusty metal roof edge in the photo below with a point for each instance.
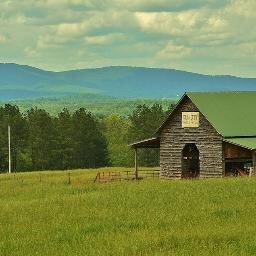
(145, 140)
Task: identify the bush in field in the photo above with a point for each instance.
(116, 129)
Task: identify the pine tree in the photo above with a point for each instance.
(43, 140)
(145, 120)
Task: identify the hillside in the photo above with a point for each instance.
(96, 103)
(25, 82)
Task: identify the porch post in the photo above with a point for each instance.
(254, 162)
(136, 163)
(223, 160)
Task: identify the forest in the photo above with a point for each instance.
(99, 105)
(76, 139)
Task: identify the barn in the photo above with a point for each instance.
(206, 135)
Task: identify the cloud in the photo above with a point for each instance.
(104, 39)
(173, 51)
(248, 50)
(49, 41)
(245, 8)
(30, 52)
(138, 5)
(187, 23)
(3, 39)
(114, 20)
(200, 35)
(71, 29)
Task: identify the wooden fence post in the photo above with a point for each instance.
(69, 180)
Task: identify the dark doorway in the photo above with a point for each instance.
(190, 161)
(240, 167)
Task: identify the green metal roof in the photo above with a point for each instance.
(249, 143)
(232, 114)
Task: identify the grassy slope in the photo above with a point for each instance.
(157, 217)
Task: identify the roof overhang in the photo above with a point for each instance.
(147, 143)
(244, 142)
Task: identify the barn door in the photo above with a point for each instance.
(190, 161)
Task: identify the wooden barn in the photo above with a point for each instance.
(207, 135)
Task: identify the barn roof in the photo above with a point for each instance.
(232, 114)
(249, 143)
(147, 143)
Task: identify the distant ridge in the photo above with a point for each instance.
(26, 82)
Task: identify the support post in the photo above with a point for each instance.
(136, 163)
(223, 161)
(254, 162)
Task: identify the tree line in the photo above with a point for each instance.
(74, 140)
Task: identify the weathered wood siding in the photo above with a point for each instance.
(173, 138)
(236, 152)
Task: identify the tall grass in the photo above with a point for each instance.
(42, 214)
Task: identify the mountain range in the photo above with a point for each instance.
(25, 82)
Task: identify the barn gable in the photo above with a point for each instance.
(183, 99)
(174, 138)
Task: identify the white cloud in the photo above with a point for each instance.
(73, 29)
(245, 8)
(181, 23)
(21, 19)
(246, 51)
(69, 2)
(216, 23)
(104, 39)
(169, 23)
(30, 52)
(3, 39)
(173, 51)
(97, 20)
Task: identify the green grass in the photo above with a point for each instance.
(151, 217)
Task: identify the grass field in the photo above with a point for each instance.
(42, 214)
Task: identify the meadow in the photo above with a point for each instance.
(45, 213)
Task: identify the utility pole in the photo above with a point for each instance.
(136, 163)
(9, 146)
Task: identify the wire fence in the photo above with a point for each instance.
(104, 177)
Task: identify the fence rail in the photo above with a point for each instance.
(103, 177)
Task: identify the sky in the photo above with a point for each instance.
(203, 36)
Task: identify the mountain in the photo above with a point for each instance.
(25, 82)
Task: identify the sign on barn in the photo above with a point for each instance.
(190, 119)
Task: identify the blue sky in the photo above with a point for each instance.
(204, 36)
